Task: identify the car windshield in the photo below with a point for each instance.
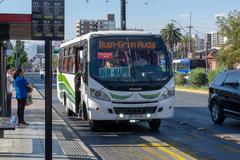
(129, 59)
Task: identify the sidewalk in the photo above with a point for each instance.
(192, 91)
(27, 142)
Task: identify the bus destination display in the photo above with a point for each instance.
(47, 19)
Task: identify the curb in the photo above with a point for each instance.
(192, 91)
(84, 146)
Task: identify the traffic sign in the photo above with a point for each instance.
(47, 19)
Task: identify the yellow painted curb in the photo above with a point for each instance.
(192, 91)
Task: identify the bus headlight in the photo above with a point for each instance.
(167, 94)
(99, 94)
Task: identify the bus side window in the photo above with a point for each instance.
(70, 64)
(65, 64)
(85, 62)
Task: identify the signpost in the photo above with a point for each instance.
(48, 25)
(47, 19)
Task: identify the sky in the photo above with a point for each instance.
(150, 15)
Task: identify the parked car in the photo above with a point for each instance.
(42, 73)
(224, 96)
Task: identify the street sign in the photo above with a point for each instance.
(47, 19)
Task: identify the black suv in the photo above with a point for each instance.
(224, 96)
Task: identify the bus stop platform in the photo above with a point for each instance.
(28, 142)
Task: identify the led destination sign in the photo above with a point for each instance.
(121, 44)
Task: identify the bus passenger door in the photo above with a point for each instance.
(59, 75)
(78, 77)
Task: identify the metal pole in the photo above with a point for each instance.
(206, 54)
(123, 14)
(190, 35)
(3, 82)
(48, 100)
(1, 88)
(17, 50)
(6, 109)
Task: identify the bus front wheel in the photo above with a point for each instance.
(94, 125)
(68, 111)
(84, 113)
(154, 124)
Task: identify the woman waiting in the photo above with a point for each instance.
(21, 86)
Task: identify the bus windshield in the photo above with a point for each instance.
(182, 66)
(129, 59)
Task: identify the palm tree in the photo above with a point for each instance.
(171, 34)
(184, 42)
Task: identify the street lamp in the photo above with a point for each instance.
(190, 38)
(179, 25)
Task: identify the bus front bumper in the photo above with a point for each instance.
(104, 111)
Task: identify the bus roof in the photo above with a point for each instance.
(107, 33)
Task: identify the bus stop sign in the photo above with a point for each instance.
(47, 19)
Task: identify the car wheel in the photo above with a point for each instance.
(216, 113)
(154, 124)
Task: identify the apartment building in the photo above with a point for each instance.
(84, 26)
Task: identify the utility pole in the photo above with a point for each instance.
(123, 14)
(17, 55)
(190, 35)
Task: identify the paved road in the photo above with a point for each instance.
(190, 134)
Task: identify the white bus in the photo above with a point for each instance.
(117, 76)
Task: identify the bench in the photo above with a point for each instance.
(5, 124)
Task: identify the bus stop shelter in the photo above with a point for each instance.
(17, 27)
(12, 26)
(45, 23)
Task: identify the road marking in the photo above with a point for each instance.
(167, 150)
(154, 153)
(132, 153)
(174, 152)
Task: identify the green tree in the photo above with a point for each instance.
(184, 42)
(171, 35)
(54, 62)
(18, 50)
(198, 77)
(229, 54)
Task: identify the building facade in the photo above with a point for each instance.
(214, 40)
(199, 43)
(84, 26)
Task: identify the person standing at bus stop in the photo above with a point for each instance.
(21, 86)
(10, 81)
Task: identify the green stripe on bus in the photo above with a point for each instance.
(67, 96)
(149, 96)
(63, 86)
(64, 79)
(115, 96)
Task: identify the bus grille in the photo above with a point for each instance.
(134, 110)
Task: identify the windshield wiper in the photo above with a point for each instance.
(131, 61)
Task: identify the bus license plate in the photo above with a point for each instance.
(135, 116)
